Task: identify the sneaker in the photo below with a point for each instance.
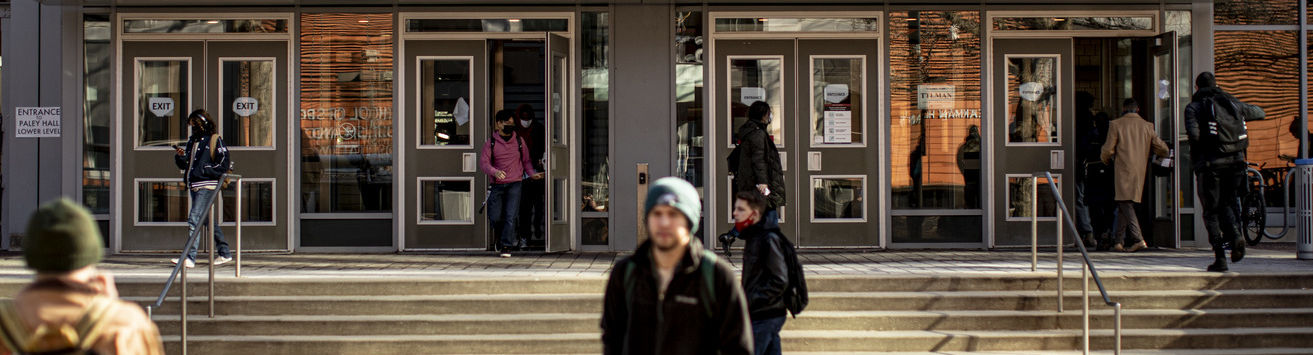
(190, 262)
(222, 260)
(1137, 246)
(505, 254)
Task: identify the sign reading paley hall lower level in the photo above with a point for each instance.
(35, 122)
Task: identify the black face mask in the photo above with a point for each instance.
(508, 129)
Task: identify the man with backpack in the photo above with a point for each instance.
(769, 263)
(1215, 123)
(1130, 140)
(506, 160)
(671, 296)
(71, 307)
(755, 164)
(204, 162)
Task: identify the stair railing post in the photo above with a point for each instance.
(214, 225)
(1117, 329)
(1034, 223)
(1085, 308)
(183, 304)
(237, 253)
(1060, 307)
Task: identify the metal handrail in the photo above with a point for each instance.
(1087, 270)
(216, 217)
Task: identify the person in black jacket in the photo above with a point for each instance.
(759, 168)
(765, 272)
(671, 296)
(1220, 176)
(201, 173)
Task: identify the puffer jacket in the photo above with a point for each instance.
(677, 322)
(1195, 117)
(765, 272)
(759, 163)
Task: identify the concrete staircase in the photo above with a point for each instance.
(1166, 314)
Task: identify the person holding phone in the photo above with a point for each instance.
(204, 162)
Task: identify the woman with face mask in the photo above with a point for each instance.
(505, 158)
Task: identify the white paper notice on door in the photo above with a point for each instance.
(838, 127)
(748, 95)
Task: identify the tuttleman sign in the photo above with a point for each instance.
(35, 122)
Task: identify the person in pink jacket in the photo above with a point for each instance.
(505, 158)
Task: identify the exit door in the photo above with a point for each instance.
(824, 99)
(243, 85)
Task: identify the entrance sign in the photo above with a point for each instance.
(836, 93)
(748, 95)
(161, 106)
(245, 106)
(1031, 91)
(35, 122)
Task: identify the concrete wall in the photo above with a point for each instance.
(643, 118)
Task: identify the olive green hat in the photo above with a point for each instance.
(61, 237)
(677, 193)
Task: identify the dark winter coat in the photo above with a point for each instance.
(202, 167)
(675, 323)
(1196, 115)
(765, 272)
(759, 163)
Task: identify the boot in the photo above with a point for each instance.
(1219, 261)
(1088, 238)
(1237, 249)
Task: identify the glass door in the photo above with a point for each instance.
(1166, 112)
(1032, 120)
(559, 126)
(448, 113)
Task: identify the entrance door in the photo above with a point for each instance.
(243, 85)
(1032, 119)
(559, 125)
(818, 91)
(448, 110)
(1165, 112)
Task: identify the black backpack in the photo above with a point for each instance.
(795, 294)
(1225, 130)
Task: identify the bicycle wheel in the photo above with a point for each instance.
(1253, 217)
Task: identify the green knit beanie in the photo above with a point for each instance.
(62, 237)
(677, 193)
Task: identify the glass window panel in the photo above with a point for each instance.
(446, 112)
(257, 202)
(248, 103)
(559, 188)
(783, 24)
(205, 26)
(935, 156)
(446, 200)
(837, 97)
(1272, 59)
(595, 231)
(162, 100)
(690, 136)
(1020, 198)
(595, 179)
(161, 201)
(1032, 103)
(559, 115)
(838, 198)
(1180, 22)
(752, 80)
(936, 229)
(1256, 12)
(346, 112)
(1073, 23)
(487, 25)
(97, 113)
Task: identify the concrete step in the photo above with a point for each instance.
(823, 341)
(820, 301)
(1258, 351)
(410, 286)
(821, 320)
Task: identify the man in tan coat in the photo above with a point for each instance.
(71, 306)
(1130, 139)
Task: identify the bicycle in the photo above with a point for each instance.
(1253, 206)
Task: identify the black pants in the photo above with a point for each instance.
(1220, 190)
(533, 200)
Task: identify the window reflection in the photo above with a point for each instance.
(163, 95)
(1021, 199)
(446, 200)
(257, 201)
(838, 198)
(445, 104)
(935, 137)
(346, 112)
(1256, 12)
(1032, 100)
(595, 138)
(248, 104)
(1267, 57)
(837, 96)
(161, 201)
(752, 80)
(690, 137)
(1074, 23)
(97, 112)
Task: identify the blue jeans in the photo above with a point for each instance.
(200, 198)
(766, 336)
(503, 210)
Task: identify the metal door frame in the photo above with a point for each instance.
(713, 131)
(400, 93)
(117, 147)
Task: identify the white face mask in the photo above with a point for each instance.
(526, 123)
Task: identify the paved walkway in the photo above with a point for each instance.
(1267, 259)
